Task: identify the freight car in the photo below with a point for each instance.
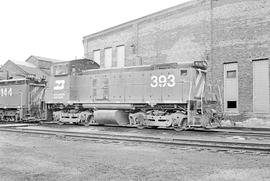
(161, 95)
(22, 99)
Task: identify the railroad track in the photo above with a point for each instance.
(233, 132)
(247, 133)
(230, 146)
(219, 131)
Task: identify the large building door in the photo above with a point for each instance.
(261, 86)
(231, 88)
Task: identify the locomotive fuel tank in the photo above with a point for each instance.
(117, 117)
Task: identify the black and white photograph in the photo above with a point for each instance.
(162, 90)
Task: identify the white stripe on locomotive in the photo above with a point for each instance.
(199, 84)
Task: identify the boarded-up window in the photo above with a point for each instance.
(120, 56)
(97, 56)
(108, 57)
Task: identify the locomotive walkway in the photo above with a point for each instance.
(225, 140)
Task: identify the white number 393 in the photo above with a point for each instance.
(163, 81)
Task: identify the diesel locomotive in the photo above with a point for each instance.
(160, 95)
(168, 95)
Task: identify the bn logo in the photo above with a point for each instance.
(59, 85)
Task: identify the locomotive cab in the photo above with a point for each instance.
(63, 81)
(61, 92)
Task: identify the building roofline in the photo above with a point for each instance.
(45, 59)
(10, 61)
(141, 19)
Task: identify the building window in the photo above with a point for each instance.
(97, 56)
(231, 74)
(108, 57)
(231, 104)
(120, 55)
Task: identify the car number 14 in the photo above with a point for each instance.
(163, 81)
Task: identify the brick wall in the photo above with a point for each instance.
(240, 33)
(171, 36)
(179, 35)
(123, 36)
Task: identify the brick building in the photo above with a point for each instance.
(19, 69)
(232, 35)
(34, 65)
(43, 63)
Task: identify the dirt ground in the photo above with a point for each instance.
(35, 157)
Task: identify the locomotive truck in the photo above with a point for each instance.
(22, 99)
(160, 95)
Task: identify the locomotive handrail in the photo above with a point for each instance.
(11, 80)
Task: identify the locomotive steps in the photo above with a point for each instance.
(211, 143)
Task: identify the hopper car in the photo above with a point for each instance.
(22, 99)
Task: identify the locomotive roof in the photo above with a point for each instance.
(146, 67)
(68, 61)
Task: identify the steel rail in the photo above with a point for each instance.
(226, 132)
(220, 145)
(237, 132)
(265, 134)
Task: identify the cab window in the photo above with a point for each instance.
(61, 69)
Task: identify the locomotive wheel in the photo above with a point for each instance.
(137, 119)
(181, 126)
(140, 123)
(60, 123)
(140, 126)
(88, 121)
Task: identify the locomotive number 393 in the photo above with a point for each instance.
(163, 81)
